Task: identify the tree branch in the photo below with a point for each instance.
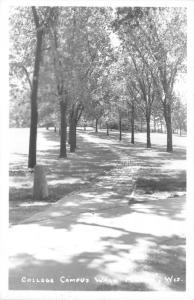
(27, 76)
(80, 113)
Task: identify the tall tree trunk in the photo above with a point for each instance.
(132, 123)
(75, 135)
(148, 131)
(72, 137)
(107, 129)
(180, 130)
(34, 94)
(167, 117)
(69, 135)
(154, 124)
(70, 125)
(96, 130)
(63, 130)
(75, 116)
(120, 128)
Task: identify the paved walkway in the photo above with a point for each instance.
(106, 237)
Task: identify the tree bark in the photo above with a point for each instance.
(69, 136)
(75, 115)
(63, 130)
(120, 128)
(33, 98)
(96, 130)
(168, 121)
(107, 129)
(72, 134)
(148, 131)
(70, 125)
(132, 123)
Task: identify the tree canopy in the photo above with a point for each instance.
(83, 73)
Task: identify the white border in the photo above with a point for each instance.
(190, 152)
(113, 3)
(5, 294)
(4, 144)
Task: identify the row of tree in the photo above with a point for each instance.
(87, 62)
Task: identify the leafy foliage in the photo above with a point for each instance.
(81, 60)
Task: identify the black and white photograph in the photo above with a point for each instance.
(97, 144)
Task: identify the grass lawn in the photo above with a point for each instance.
(97, 154)
(63, 175)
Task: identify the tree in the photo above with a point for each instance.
(34, 89)
(142, 90)
(157, 36)
(30, 24)
(19, 106)
(179, 115)
(61, 70)
(21, 56)
(79, 45)
(41, 19)
(131, 103)
(74, 117)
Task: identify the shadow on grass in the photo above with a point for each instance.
(153, 180)
(64, 176)
(132, 261)
(147, 261)
(75, 276)
(93, 158)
